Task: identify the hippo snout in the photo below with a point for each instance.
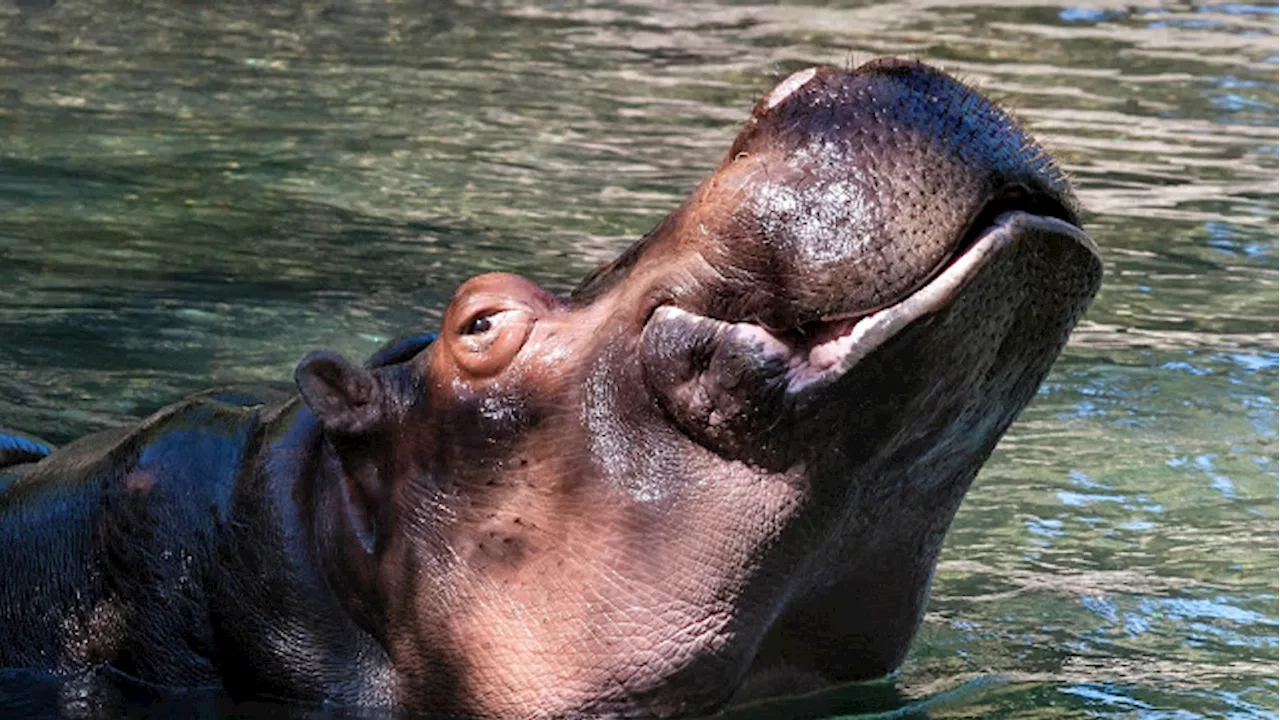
(847, 191)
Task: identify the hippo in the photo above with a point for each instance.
(731, 453)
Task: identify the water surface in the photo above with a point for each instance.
(193, 196)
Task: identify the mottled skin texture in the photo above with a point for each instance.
(734, 452)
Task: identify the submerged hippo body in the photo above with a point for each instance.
(733, 451)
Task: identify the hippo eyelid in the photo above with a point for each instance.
(486, 321)
(489, 322)
(478, 314)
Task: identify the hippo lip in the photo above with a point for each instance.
(826, 353)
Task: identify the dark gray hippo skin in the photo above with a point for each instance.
(732, 453)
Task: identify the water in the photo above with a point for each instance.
(198, 196)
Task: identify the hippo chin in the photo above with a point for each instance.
(735, 449)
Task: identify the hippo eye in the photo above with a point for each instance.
(479, 326)
(491, 339)
(487, 324)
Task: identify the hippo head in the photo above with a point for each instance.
(760, 418)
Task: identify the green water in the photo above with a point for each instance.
(196, 196)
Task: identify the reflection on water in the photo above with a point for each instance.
(192, 196)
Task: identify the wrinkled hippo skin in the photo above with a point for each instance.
(733, 452)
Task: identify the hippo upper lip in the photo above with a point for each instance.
(835, 356)
(823, 354)
(1013, 199)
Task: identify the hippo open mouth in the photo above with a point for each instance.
(733, 451)
(824, 351)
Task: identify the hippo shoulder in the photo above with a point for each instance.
(142, 505)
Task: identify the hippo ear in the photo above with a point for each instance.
(346, 397)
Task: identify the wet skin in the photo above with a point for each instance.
(733, 453)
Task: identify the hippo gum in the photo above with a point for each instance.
(733, 451)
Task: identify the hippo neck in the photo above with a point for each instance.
(280, 617)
